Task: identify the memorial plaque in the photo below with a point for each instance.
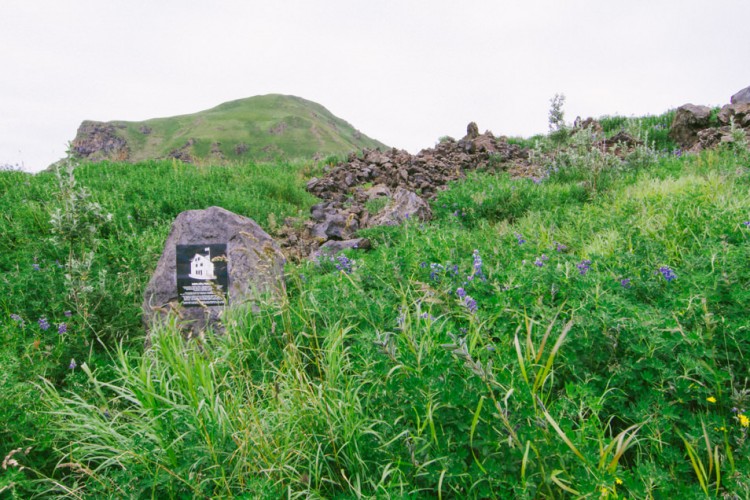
(202, 275)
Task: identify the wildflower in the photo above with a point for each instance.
(344, 264)
(618, 481)
(36, 267)
(460, 292)
(746, 223)
(668, 273)
(427, 316)
(625, 282)
(520, 238)
(538, 262)
(470, 304)
(435, 271)
(17, 318)
(68, 314)
(560, 247)
(423, 264)
(72, 365)
(478, 264)
(62, 328)
(536, 180)
(744, 421)
(711, 399)
(584, 266)
(43, 323)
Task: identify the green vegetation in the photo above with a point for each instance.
(582, 335)
(262, 127)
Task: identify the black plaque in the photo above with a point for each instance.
(202, 275)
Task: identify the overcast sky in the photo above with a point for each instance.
(405, 72)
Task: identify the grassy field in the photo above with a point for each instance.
(261, 127)
(581, 335)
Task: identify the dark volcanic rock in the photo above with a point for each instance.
(402, 206)
(409, 181)
(96, 141)
(255, 267)
(688, 120)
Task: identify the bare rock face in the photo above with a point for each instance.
(743, 96)
(96, 141)
(688, 120)
(212, 257)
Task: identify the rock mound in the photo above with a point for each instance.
(404, 182)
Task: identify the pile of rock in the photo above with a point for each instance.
(693, 128)
(403, 182)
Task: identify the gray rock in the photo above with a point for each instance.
(336, 225)
(740, 112)
(403, 205)
(688, 120)
(255, 267)
(331, 248)
(743, 96)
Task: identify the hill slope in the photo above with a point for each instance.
(261, 127)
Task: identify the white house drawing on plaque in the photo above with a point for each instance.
(201, 267)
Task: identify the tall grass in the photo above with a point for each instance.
(536, 340)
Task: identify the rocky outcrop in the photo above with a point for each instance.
(97, 141)
(184, 152)
(688, 120)
(692, 128)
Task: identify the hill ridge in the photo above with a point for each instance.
(264, 127)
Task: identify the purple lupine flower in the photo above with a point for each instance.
(344, 264)
(625, 282)
(470, 304)
(435, 271)
(538, 262)
(43, 323)
(536, 180)
(36, 267)
(68, 314)
(461, 293)
(72, 365)
(520, 239)
(584, 266)
(560, 247)
(423, 264)
(17, 318)
(746, 223)
(478, 264)
(62, 328)
(668, 273)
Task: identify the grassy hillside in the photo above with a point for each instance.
(582, 335)
(262, 127)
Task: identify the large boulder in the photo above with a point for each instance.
(211, 258)
(743, 96)
(403, 205)
(688, 120)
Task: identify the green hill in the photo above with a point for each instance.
(259, 128)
